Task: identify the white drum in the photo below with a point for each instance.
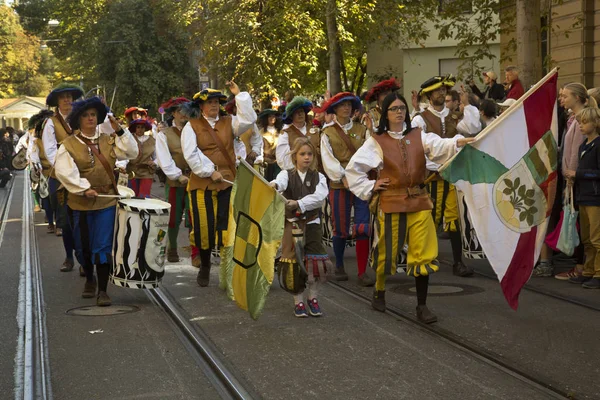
(470, 243)
(140, 243)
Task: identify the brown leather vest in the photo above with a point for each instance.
(209, 148)
(357, 136)
(296, 190)
(173, 135)
(434, 123)
(404, 165)
(269, 146)
(94, 172)
(315, 138)
(61, 129)
(139, 166)
(46, 166)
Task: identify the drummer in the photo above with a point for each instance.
(207, 132)
(141, 170)
(84, 165)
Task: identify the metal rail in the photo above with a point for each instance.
(456, 341)
(200, 346)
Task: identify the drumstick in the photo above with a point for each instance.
(226, 181)
(112, 196)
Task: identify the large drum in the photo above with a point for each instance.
(471, 245)
(140, 243)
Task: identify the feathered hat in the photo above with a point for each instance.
(133, 124)
(80, 106)
(191, 109)
(389, 85)
(172, 105)
(296, 103)
(75, 90)
(437, 82)
(330, 104)
(141, 110)
(267, 112)
(39, 118)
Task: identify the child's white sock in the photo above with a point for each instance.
(299, 298)
(313, 289)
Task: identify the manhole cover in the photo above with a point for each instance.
(95, 311)
(439, 289)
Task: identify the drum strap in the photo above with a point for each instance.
(219, 143)
(102, 160)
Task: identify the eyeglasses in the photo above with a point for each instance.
(397, 108)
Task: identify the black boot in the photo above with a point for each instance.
(203, 277)
(378, 300)
(462, 270)
(424, 315)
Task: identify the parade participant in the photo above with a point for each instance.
(493, 90)
(270, 125)
(56, 130)
(440, 120)
(378, 93)
(133, 113)
(340, 139)
(141, 170)
(169, 155)
(586, 178)
(305, 190)
(514, 87)
(208, 148)
(296, 125)
(252, 149)
(402, 205)
(84, 165)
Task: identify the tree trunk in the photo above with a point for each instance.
(361, 77)
(529, 49)
(335, 53)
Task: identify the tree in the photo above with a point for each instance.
(529, 50)
(335, 52)
(20, 55)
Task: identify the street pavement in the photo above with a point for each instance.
(351, 352)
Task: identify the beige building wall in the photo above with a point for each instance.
(413, 65)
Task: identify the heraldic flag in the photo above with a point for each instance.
(508, 177)
(253, 236)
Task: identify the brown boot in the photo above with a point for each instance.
(89, 290)
(196, 262)
(172, 255)
(340, 274)
(425, 316)
(50, 228)
(58, 232)
(378, 300)
(103, 300)
(365, 280)
(67, 266)
(203, 276)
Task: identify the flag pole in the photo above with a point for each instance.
(505, 114)
(256, 174)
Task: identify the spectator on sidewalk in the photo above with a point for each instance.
(586, 179)
(488, 110)
(514, 87)
(493, 90)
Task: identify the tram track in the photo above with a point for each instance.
(32, 363)
(490, 358)
(206, 355)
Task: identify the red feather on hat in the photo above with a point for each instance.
(383, 86)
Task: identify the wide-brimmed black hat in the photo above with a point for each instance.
(80, 106)
(52, 99)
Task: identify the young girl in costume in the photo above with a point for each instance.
(305, 190)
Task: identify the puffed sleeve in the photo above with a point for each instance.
(369, 156)
(68, 174)
(126, 147)
(200, 165)
(245, 116)
(282, 152)
(164, 158)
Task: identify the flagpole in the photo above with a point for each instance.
(256, 174)
(505, 114)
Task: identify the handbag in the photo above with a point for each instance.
(43, 188)
(568, 238)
